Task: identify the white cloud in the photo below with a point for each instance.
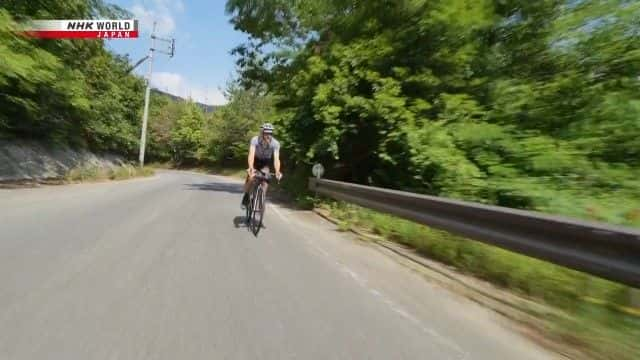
(160, 11)
(165, 22)
(176, 5)
(176, 84)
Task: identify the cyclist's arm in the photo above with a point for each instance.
(276, 161)
(252, 154)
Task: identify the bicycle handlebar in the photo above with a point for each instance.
(260, 175)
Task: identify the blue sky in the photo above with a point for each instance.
(204, 37)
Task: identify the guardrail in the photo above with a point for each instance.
(608, 251)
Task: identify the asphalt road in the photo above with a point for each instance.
(161, 268)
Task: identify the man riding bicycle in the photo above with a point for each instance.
(264, 154)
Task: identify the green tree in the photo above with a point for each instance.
(68, 92)
(163, 114)
(187, 135)
(231, 126)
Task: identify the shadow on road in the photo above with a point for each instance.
(216, 186)
(240, 221)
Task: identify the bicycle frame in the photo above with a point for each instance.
(257, 201)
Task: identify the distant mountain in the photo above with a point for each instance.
(206, 108)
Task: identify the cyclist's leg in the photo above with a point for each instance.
(261, 165)
(247, 191)
(266, 169)
(245, 187)
(248, 182)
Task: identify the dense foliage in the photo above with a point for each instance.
(69, 92)
(518, 103)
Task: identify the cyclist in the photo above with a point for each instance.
(264, 154)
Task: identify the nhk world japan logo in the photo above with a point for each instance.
(82, 29)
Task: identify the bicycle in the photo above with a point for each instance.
(257, 204)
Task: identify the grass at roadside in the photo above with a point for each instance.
(87, 173)
(602, 318)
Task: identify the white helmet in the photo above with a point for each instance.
(266, 128)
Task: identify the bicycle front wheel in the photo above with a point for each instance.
(258, 210)
(249, 209)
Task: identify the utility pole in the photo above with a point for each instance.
(145, 114)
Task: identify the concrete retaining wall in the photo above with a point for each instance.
(30, 160)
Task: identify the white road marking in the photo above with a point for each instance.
(277, 211)
(390, 304)
(395, 307)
